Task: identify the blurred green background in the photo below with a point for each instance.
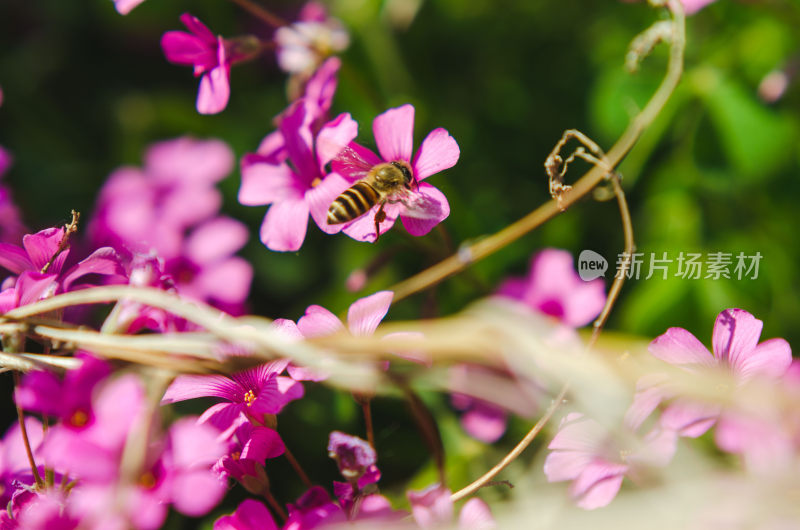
(86, 90)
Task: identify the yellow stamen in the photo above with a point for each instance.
(79, 418)
(249, 397)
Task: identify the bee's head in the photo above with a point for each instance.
(409, 181)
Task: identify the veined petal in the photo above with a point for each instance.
(439, 151)
(265, 183)
(41, 247)
(183, 48)
(333, 137)
(215, 90)
(14, 259)
(394, 133)
(318, 322)
(104, 261)
(33, 286)
(321, 87)
(320, 198)
(365, 314)
(678, 346)
(429, 208)
(736, 334)
(771, 358)
(299, 143)
(199, 29)
(284, 226)
(194, 386)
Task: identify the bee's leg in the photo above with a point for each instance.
(380, 216)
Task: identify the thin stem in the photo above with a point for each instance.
(297, 467)
(26, 441)
(275, 505)
(259, 12)
(622, 271)
(469, 254)
(366, 407)
(515, 452)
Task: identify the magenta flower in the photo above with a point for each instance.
(426, 206)
(42, 250)
(553, 287)
(314, 509)
(255, 393)
(68, 399)
(302, 46)
(210, 55)
(250, 447)
(352, 454)
(41, 511)
(14, 468)
(433, 507)
(735, 348)
(11, 226)
(584, 452)
(292, 178)
(363, 317)
(250, 515)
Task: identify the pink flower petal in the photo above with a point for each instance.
(42, 245)
(771, 358)
(476, 515)
(736, 334)
(318, 322)
(215, 90)
(678, 346)
(584, 303)
(250, 515)
(565, 465)
(227, 281)
(365, 314)
(188, 161)
(439, 151)
(104, 261)
(216, 239)
(430, 207)
(320, 198)
(394, 130)
(689, 419)
(15, 259)
(199, 29)
(196, 492)
(126, 6)
(484, 422)
(432, 506)
(284, 226)
(693, 6)
(194, 444)
(183, 48)
(299, 144)
(194, 386)
(333, 137)
(598, 484)
(363, 228)
(320, 89)
(33, 286)
(650, 393)
(265, 183)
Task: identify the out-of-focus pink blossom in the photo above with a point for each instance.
(126, 6)
(352, 454)
(256, 393)
(11, 226)
(211, 56)
(693, 6)
(303, 46)
(42, 511)
(314, 509)
(433, 507)
(426, 206)
(15, 471)
(554, 288)
(68, 399)
(587, 454)
(250, 515)
(169, 210)
(292, 178)
(735, 348)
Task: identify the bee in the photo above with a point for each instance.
(382, 184)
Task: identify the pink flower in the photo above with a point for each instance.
(250, 515)
(42, 250)
(552, 287)
(255, 393)
(126, 6)
(433, 507)
(735, 348)
(289, 173)
(693, 6)
(15, 472)
(250, 446)
(302, 46)
(170, 208)
(11, 226)
(426, 206)
(584, 452)
(210, 55)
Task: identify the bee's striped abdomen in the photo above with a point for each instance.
(353, 202)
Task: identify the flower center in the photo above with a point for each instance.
(249, 397)
(316, 182)
(147, 480)
(236, 455)
(623, 454)
(79, 418)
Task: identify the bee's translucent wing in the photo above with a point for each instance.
(351, 163)
(420, 206)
